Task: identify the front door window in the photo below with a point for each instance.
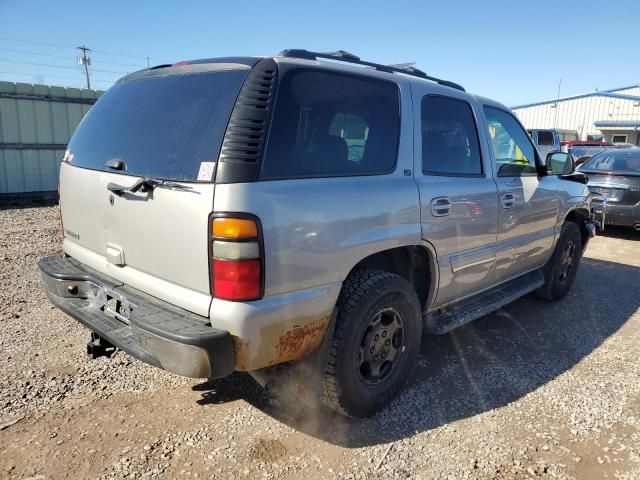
(513, 152)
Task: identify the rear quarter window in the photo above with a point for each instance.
(332, 124)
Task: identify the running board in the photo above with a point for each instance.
(444, 320)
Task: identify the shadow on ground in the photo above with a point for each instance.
(16, 202)
(484, 365)
(623, 233)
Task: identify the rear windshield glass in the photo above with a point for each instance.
(161, 126)
(614, 161)
(332, 124)
(545, 137)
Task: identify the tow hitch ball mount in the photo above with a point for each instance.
(99, 347)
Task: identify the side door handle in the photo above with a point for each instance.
(440, 207)
(507, 200)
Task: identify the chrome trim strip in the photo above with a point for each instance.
(620, 186)
(473, 260)
(515, 242)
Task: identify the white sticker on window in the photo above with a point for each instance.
(206, 171)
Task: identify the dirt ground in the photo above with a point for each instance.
(548, 390)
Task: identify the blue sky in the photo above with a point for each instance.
(513, 51)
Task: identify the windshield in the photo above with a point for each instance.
(624, 162)
(158, 124)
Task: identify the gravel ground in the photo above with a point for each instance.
(533, 390)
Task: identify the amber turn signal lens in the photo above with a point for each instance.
(234, 228)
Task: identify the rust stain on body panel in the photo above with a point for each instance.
(279, 343)
(241, 350)
(302, 340)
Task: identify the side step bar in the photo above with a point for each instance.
(454, 316)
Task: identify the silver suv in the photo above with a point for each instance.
(244, 213)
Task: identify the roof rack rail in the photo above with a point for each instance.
(343, 56)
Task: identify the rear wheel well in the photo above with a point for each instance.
(579, 216)
(413, 263)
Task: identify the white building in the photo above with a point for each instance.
(610, 115)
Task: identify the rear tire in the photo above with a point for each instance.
(561, 269)
(374, 345)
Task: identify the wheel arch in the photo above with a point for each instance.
(579, 215)
(415, 263)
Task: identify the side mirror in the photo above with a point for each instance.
(560, 163)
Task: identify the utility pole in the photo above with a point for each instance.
(555, 122)
(85, 61)
(147, 62)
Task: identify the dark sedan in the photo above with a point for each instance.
(616, 175)
(582, 151)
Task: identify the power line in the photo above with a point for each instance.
(36, 74)
(36, 63)
(59, 81)
(122, 64)
(58, 66)
(67, 57)
(104, 52)
(61, 77)
(121, 54)
(37, 43)
(110, 71)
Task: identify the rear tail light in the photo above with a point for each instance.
(236, 258)
(236, 279)
(234, 228)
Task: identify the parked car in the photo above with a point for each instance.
(547, 141)
(616, 175)
(550, 140)
(216, 218)
(582, 151)
(626, 145)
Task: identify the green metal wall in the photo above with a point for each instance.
(36, 122)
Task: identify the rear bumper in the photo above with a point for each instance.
(149, 329)
(620, 215)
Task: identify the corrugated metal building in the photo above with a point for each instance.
(36, 122)
(610, 115)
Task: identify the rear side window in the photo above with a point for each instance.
(332, 124)
(450, 143)
(545, 137)
(164, 126)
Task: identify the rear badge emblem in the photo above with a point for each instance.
(72, 234)
(111, 199)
